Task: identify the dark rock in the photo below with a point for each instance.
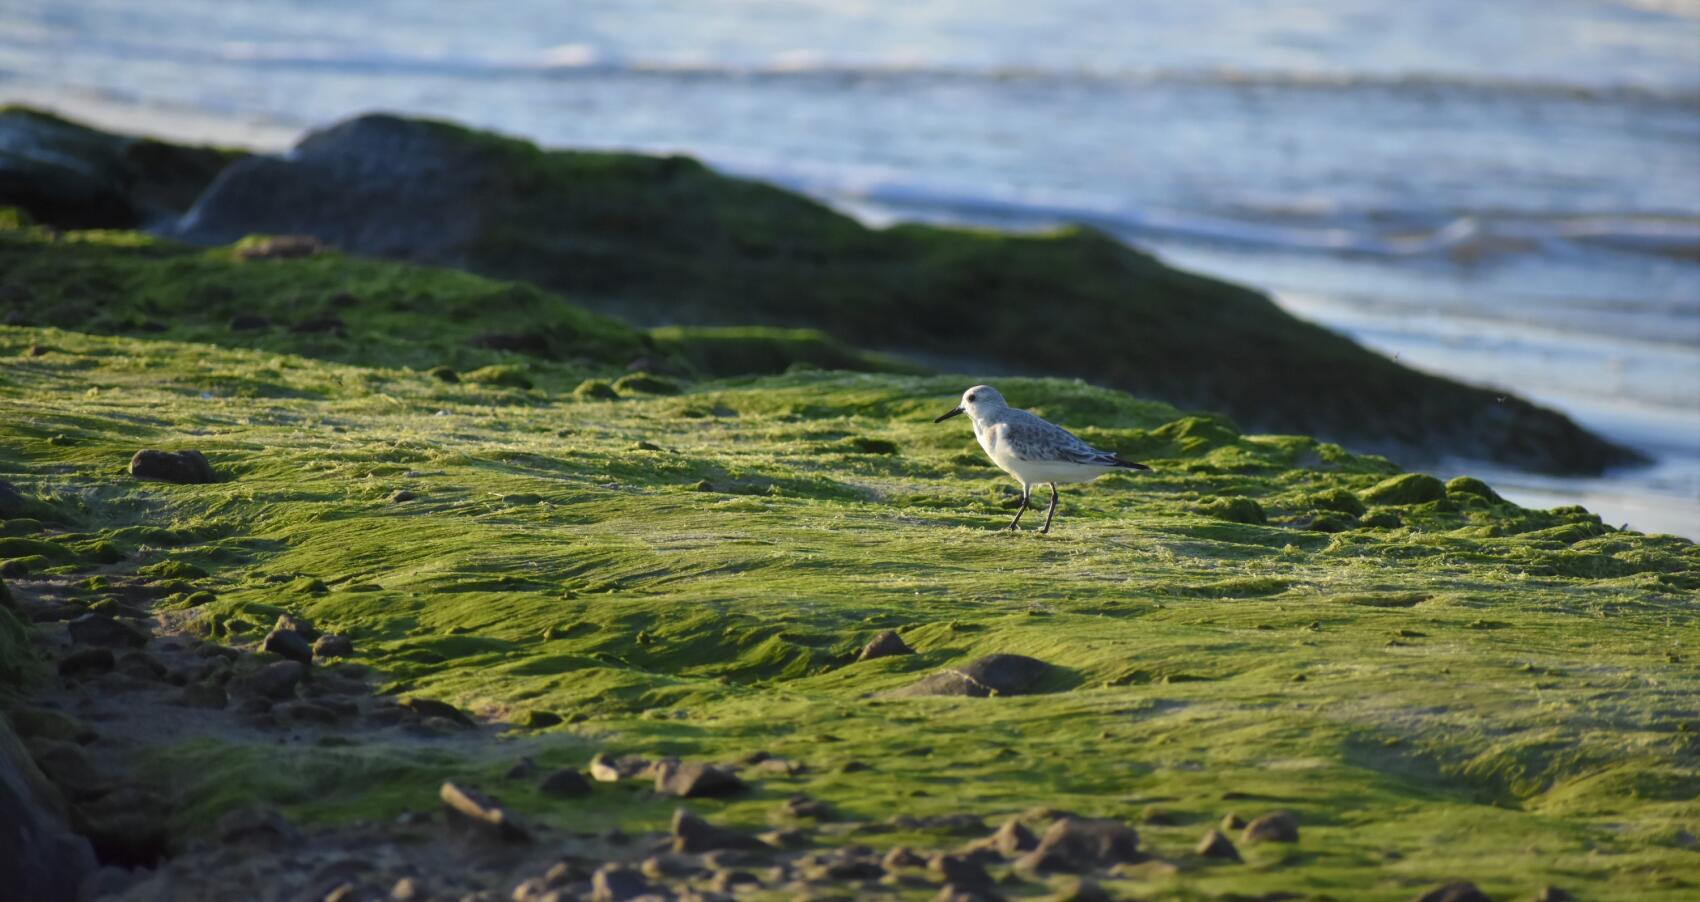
(853, 767)
(1010, 840)
(402, 496)
(1277, 826)
(140, 665)
(68, 767)
(949, 823)
(257, 824)
(728, 881)
(69, 176)
(991, 675)
(1553, 894)
(99, 629)
(46, 723)
(524, 767)
(333, 646)
(300, 626)
(276, 680)
(1078, 844)
(784, 839)
(952, 892)
(885, 645)
(249, 322)
(289, 644)
(565, 782)
(689, 780)
(1215, 845)
(1458, 891)
(86, 661)
(617, 884)
(1232, 821)
(803, 806)
(902, 857)
(126, 826)
(1157, 817)
(426, 707)
(473, 813)
(960, 870)
(187, 467)
(693, 834)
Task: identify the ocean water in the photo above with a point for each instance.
(1506, 192)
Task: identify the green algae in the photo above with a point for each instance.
(1434, 697)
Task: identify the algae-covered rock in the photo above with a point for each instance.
(1406, 488)
(443, 374)
(1338, 500)
(665, 239)
(1469, 485)
(644, 383)
(1234, 510)
(74, 177)
(595, 390)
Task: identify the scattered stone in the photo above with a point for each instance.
(1215, 845)
(782, 766)
(443, 374)
(248, 322)
(885, 645)
(566, 782)
(1277, 826)
(1010, 840)
(99, 629)
(521, 769)
(408, 889)
(902, 857)
(728, 881)
(1158, 817)
(141, 665)
(538, 720)
(949, 823)
(595, 390)
(998, 674)
(1232, 821)
(1079, 844)
(853, 767)
(960, 870)
(616, 884)
(436, 728)
(67, 766)
(276, 680)
(472, 812)
(803, 806)
(1457, 891)
(693, 834)
(690, 780)
(186, 467)
(402, 495)
(605, 768)
(951, 892)
(258, 824)
(86, 661)
(333, 646)
(300, 626)
(784, 839)
(289, 644)
(428, 708)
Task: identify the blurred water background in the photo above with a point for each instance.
(1507, 193)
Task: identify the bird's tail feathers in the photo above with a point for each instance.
(1130, 465)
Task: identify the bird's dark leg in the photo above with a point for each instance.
(1053, 511)
(1021, 510)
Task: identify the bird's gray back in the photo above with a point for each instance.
(1032, 438)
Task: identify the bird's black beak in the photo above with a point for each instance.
(949, 415)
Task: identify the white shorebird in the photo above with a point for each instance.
(1031, 449)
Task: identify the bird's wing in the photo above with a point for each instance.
(1031, 438)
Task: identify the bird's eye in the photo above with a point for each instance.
(970, 397)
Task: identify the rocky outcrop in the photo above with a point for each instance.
(74, 177)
